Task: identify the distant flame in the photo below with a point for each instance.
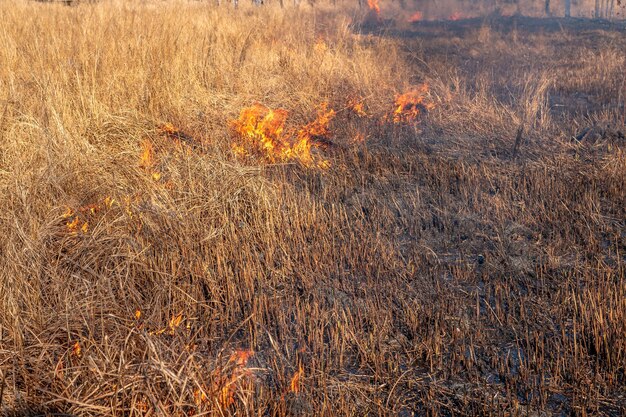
(416, 17)
(410, 104)
(374, 6)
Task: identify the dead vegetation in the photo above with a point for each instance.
(452, 243)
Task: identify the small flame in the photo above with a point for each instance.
(73, 225)
(68, 213)
(175, 322)
(137, 314)
(416, 17)
(374, 6)
(410, 104)
(295, 383)
(357, 106)
(240, 357)
(199, 396)
(358, 138)
(76, 350)
(225, 384)
(146, 159)
(175, 134)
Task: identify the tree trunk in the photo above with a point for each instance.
(568, 8)
(548, 8)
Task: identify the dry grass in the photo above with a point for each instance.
(438, 269)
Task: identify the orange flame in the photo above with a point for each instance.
(76, 350)
(416, 17)
(295, 384)
(374, 6)
(146, 159)
(175, 134)
(225, 384)
(357, 106)
(240, 357)
(410, 104)
(262, 131)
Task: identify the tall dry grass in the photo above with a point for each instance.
(430, 270)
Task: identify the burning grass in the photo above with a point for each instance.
(461, 252)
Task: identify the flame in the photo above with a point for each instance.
(374, 6)
(137, 314)
(199, 396)
(73, 225)
(76, 350)
(76, 220)
(226, 383)
(175, 322)
(357, 106)
(240, 357)
(295, 384)
(410, 104)
(175, 134)
(416, 17)
(358, 138)
(108, 202)
(68, 213)
(260, 130)
(146, 159)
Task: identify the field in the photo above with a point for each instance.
(309, 210)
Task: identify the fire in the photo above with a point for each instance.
(199, 396)
(174, 323)
(78, 220)
(146, 159)
(260, 130)
(374, 6)
(240, 357)
(224, 383)
(174, 133)
(295, 384)
(410, 104)
(416, 17)
(358, 138)
(357, 106)
(76, 350)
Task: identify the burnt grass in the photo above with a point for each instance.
(451, 267)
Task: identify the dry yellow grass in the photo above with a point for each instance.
(439, 268)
